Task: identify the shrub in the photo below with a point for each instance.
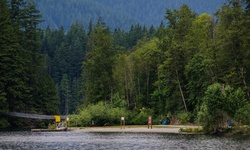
(81, 119)
(211, 109)
(3, 123)
(242, 114)
(114, 115)
(142, 117)
(52, 127)
(84, 118)
(158, 119)
(100, 113)
(184, 117)
(191, 130)
(74, 120)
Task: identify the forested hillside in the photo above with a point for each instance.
(116, 13)
(192, 67)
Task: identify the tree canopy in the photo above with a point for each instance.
(192, 67)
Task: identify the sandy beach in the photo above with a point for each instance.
(135, 129)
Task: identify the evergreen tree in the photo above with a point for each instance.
(46, 96)
(16, 13)
(23, 80)
(76, 42)
(97, 69)
(65, 54)
(146, 58)
(233, 41)
(5, 48)
(248, 5)
(90, 27)
(12, 66)
(120, 38)
(122, 74)
(201, 68)
(75, 101)
(31, 44)
(65, 95)
(151, 32)
(179, 23)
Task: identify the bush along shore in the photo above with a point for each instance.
(227, 131)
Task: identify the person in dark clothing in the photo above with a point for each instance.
(167, 120)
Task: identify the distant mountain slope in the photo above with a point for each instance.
(116, 13)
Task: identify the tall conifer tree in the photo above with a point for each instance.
(97, 69)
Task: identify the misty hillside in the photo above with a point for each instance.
(116, 13)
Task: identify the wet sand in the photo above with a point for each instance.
(135, 129)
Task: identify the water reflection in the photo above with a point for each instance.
(81, 140)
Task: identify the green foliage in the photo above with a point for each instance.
(100, 114)
(47, 94)
(237, 130)
(232, 41)
(241, 130)
(198, 80)
(84, 118)
(52, 127)
(3, 109)
(76, 120)
(157, 119)
(171, 78)
(141, 118)
(64, 55)
(81, 119)
(64, 94)
(25, 85)
(13, 83)
(219, 101)
(118, 101)
(235, 100)
(114, 115)
(197, 65)
(145, 58)
(75, 100)
(248, 5)
(174, 72)
(184, 117)
(230, 61)
(3, 122)
(97, 68)
(191, 130)
(212, 108)
(242, 114)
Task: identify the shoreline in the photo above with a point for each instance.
(134, 129)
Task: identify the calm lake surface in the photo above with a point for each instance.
(154, 141)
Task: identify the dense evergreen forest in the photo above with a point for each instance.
(116, 13)
(25, 84)
(194, 68)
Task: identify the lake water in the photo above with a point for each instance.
(145, 141)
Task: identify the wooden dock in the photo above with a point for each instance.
(49, 130)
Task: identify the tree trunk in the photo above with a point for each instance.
(182, 96)
(126, 89)
(111, 95)
(244, 81)
(148, 75)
